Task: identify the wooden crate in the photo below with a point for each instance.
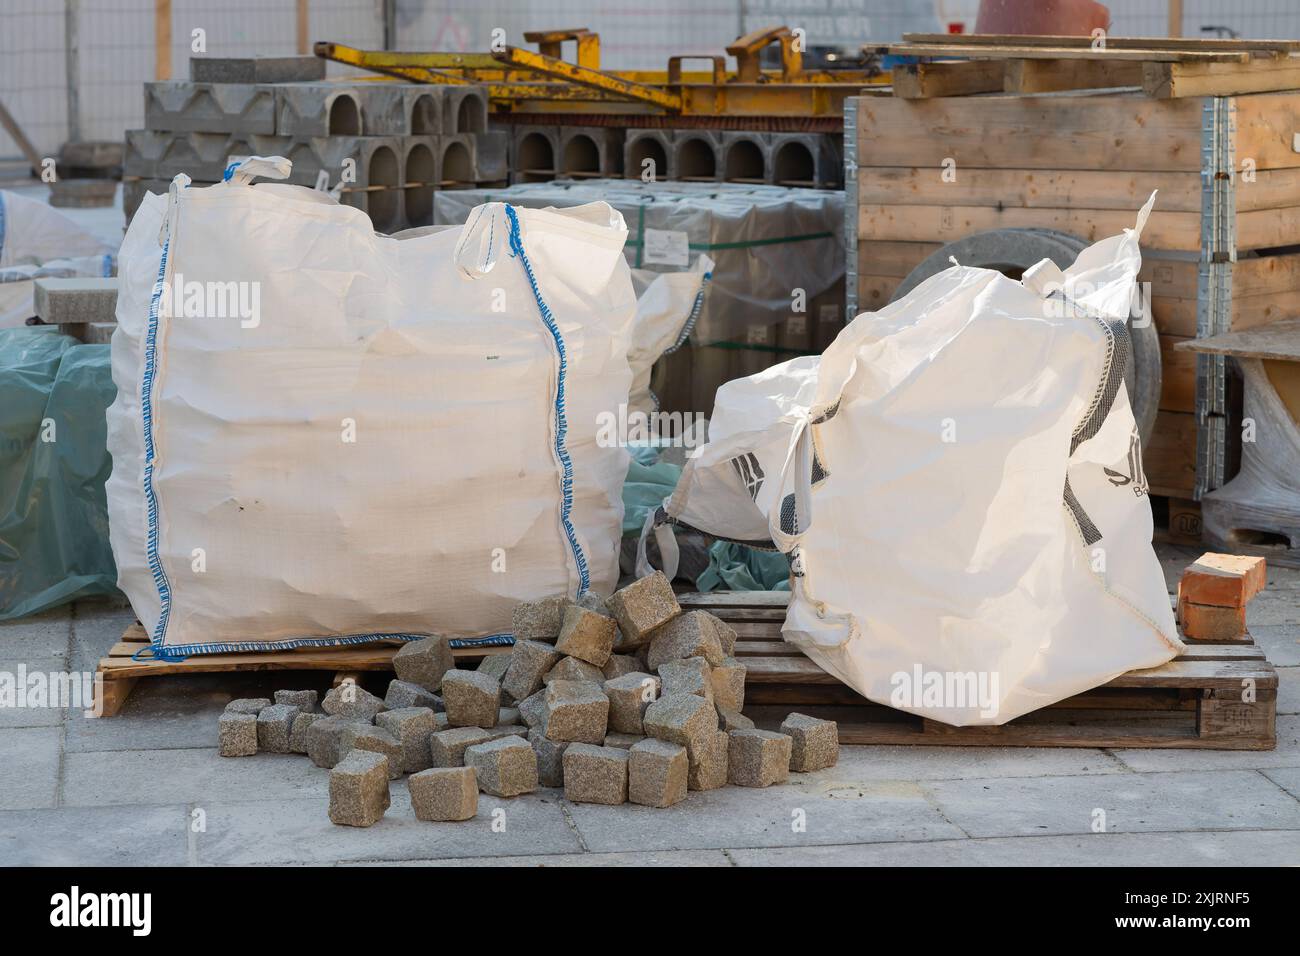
(120, 671)
(1082, 163)
(1193, 701)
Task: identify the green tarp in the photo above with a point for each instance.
(53, 465)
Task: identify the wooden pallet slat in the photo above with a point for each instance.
(120, 671)
(1161, 69)
(1193, 701)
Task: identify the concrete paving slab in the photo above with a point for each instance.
(1174, 559)
(1227, 800)
(300, 831)
(95, 836)
(1288, 690)
(858, 764)
(1240, 848)
(29, 767)
(43, 635)
(105, 778)
(29, 716)
(157, 728)
(166, 713)
(1288, 778)
(1280, 643)
(878, 811)
(648, 858)
(1287, 754)
(1278, 606)
(96, 627)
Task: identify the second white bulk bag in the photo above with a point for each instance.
(958, 483)
(323, 435)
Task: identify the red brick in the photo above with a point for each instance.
(1205, 622)
(1222, 580)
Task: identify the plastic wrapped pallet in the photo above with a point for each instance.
(968, 523)
(766, 242)
(402, 440)
(37, 242)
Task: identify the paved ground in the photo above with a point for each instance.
(148, 787)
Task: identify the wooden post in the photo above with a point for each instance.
(72, 66)
(1175, 18)
(10, 126)
(304, 29)
(390, 24)
(162, 39)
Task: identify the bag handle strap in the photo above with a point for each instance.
(793, 510)
(656, 523)
(244, 171)
(481, 239)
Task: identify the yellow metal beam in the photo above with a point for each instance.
(608, 83)
(551, 43)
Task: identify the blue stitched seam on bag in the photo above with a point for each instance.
(561, 423)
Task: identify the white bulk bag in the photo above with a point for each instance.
(403, 441)
(958, 482)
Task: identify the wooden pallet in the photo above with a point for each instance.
(1194, 701)
(120, 672)
(961, 65)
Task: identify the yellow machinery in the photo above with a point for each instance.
(526, 83)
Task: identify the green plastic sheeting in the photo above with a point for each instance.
(732, 567)
(649, 481)
(53, 465)
(735, 567)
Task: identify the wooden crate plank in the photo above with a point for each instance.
(1264, 274)
(1100, 132)
(1174, 316)
(1177, 375)
(1028, 189)
(1280, 340)
(1172, 275)
(1268, 228)
(1112, 42)
(876, 292)
(1170, 80)
(1256, 311)
(1169, 459)
(1024, 51)
(911, 223)
(1265, 127)
(920, 80)
(892, 258)
(1265, 188)
(1028, 76)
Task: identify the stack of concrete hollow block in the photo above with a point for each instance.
(542, 153)
(388, 146)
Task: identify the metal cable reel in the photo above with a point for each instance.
(1011, 252)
